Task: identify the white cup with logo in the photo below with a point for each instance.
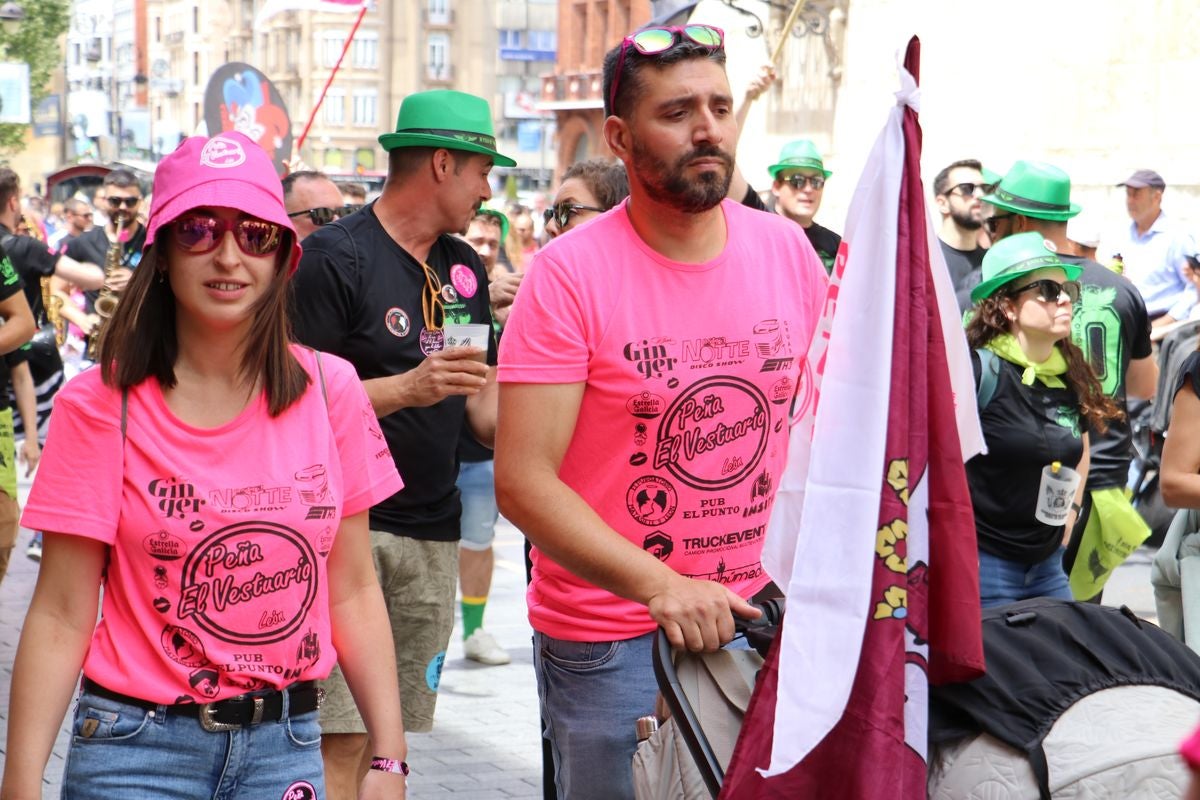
(1056, 494)
(468, 335)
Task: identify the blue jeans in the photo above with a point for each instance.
(1002, 581)
(591, 695)
(122, 750)
(477, 484)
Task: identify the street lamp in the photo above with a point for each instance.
(11, 16)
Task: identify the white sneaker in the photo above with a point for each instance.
(482, 647)
(34, 550)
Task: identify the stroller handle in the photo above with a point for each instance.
(668, 682)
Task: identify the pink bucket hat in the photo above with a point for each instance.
(228, 171)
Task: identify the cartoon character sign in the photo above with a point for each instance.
(241, 98)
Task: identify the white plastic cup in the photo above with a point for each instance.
(1056, 494)
(467, 335)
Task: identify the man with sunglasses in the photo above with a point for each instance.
(376, 288)
(77, 220)
(312, 200)
(122, 199)
(1110, 324)
(647, 371)
(799, 184)
(957, 192)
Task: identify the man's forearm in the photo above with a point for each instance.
(387, 395)
(82, 274)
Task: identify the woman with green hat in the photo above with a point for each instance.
(1037, 398)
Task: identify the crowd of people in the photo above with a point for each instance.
(286, 475)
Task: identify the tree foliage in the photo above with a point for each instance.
(35, 43)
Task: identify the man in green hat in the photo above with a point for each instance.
(1110, 325)
(799, 182)
(376, 288)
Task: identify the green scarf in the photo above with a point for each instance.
(1006, 346)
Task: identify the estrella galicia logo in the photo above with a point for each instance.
(249, 562)
(163, 546)
(658, 544)
(651, 357)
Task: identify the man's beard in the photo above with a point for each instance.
(964, 220)
(667, 184)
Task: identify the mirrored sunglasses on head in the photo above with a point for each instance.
(563, 212)
(1050, 290)
(322, 216)
(653, 41)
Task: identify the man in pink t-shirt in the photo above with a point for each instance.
(646, 374)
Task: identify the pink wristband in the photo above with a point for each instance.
(389, 765)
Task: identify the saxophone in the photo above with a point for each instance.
(106, 303)
(52, 304)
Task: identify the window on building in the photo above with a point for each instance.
(365, 105)
(196, 69)
(510, 40)
(195, 19)
(364, 158)
(332, 43)
(543, 40)
(158, 29)
(333, 159)
(335, 107)
(365, 52)
(438, 60)
(439, 11)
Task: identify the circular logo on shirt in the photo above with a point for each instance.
(715, 433)
(249, 583)
(397, 322)
(651, 500)
(449, 294)
(464, 280)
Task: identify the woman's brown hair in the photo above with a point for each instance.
(139, 341)
(989, 319)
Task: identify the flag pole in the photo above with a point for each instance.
(787, 29)
(317, 107)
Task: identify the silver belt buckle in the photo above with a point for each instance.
(210, 724)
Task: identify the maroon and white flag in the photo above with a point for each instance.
(873, 533)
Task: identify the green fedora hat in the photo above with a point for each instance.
(800, 154)
(1016, 256)
(445, 118)
(1035, 189)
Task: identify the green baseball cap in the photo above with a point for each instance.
(1035, 189)
(446, 118)
(499, 215)
(1015, 256)
(800, 154)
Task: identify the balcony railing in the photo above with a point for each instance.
(439, 73)
(437, 19)
(572, 90)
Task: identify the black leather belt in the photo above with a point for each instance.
(231, 714)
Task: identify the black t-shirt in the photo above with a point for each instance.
(92, 246)
(357, 294)
(1026, 428)
(1111, 326)
(823, 240)
(33, 261)
(10, 284)
(965, 271)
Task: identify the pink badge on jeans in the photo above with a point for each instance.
(464, 280)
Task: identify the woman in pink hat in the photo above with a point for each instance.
(214, 480)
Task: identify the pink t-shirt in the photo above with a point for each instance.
(682, 430)
(216, 582)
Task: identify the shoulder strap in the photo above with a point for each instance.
(124, 413)
(989, 377)
(321, 377)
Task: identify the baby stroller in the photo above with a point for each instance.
(706, 694)
(1080, 701)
